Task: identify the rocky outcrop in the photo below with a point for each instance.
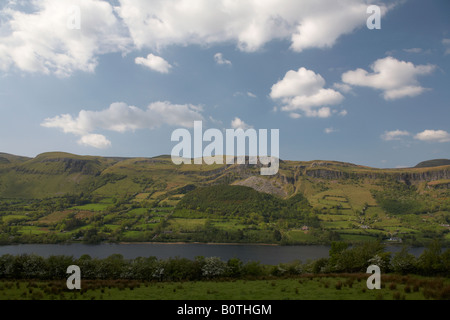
(411, 177)
(327, 174)
(263, 185)
(408, 177)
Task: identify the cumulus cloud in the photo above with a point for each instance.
(95, 140)
(433, 136)
(394, 135)
(397, 79)
(41, 39)
(120, 117)
(303, 90)
(35, 37)
(249, 24)
(154, 63)
(322, 28)
(218, 57)
(239, 124)
(426, 136)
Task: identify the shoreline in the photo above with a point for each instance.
(205, 243)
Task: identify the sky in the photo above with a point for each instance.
(116, 78)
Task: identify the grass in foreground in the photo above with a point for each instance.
(306, 287)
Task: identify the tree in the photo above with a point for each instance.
(277, 235)
(335, 251)
(357, 259)
(403, 262)
(430, 262)
(234, 267)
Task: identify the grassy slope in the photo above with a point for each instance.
(434, 163)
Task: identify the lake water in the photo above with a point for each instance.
(270, 255)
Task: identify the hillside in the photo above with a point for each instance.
(6, 158)
(433, 163)
(65, 197)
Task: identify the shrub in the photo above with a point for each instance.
(396, 295)
(253, 269)
(213, 267)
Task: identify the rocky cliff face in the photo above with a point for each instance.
(410, 176)
(424, 176)
(327, 174)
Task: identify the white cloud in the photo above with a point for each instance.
(248, 94)
(294, 115)
(345, 88)
(397, 79)
(394, 135)
(95, 140)
(330, 130)
(303, 90)
(155, 63)
(239, 124)
(433, 136)
(39, 39)
(413, 50)
(36, 39)
(218, 57)
(120, 117)
(249, 24)
(322, 28)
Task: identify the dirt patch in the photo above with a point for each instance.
(55, 217)
(84, 214)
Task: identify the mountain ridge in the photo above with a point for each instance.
(316, 162)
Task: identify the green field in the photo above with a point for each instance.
(92, 207)
(308, 287)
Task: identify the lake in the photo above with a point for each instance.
(266, 254)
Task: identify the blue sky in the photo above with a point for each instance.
(135, 71)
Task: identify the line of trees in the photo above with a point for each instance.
(433, 262)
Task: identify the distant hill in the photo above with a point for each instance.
(10, 158)
(56, 173)
(433, 163)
